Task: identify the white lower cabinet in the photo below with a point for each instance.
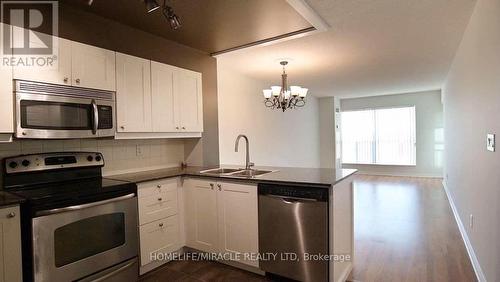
(159, 221)
(10, 245)
(222, 217)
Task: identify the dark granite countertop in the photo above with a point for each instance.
(320, 177)
(8, 199)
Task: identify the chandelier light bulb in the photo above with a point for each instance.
(267, 93)
(303, 92)
(276, 90)
(295, 90)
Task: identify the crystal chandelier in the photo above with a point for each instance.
(280, 97)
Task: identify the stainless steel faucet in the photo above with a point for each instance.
(248, 164)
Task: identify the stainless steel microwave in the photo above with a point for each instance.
(50, 111)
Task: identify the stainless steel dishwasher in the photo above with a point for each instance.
(293, 224)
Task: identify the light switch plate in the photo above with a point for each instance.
(490, 142)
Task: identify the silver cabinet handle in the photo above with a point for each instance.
(11, 215)
(161, 224)
(66, 80)
(183, 127)
(176, 127)
(77, 80)
(212, 186)
(160, 199)
(159, 186)
(219, 186)
(122, 127)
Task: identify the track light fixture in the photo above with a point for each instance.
(171, 17)
(151, 5)
(168, 12)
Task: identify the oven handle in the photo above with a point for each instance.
(84, 206)
(95, 118)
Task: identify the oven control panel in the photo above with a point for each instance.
(51, 161)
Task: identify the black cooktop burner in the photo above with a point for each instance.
(62, 194)
(54, 185)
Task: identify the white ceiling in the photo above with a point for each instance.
(374, 47)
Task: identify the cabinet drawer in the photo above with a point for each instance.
(157, 187)
(161, 236)
(157, 206)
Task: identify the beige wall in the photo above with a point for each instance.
(119, 155)
(288, 139)
(429, 131)
(472, 109)
(91, 29)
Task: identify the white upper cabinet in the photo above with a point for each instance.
(187, 86)
(93, 67)
(133, 94)
(60, 73)
(6, 102)
(77, 64)
(164, 103)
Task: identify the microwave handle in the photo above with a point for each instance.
(95, 118)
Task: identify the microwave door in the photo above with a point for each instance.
(55, 117)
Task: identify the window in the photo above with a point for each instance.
(379, 136)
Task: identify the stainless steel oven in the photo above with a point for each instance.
(49, 111)
(90, 242)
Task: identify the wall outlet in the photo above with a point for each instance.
(138, 150)
(471, 221)
(490, 142)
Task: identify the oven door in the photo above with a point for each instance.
(41, 116)
(74, 242)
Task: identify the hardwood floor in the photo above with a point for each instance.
(404, 231)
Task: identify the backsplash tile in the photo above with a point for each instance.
(119, 155)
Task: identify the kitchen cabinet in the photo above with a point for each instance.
(60, 73)
(222, 217)
(159, 221)
(133, 94)
(187, 89)
(176, 99)
(6, 104)
(165, 108)
(77, 64)
(156, 100)
(201, 215)
(238, 220)
(92, 67)
(10, 245)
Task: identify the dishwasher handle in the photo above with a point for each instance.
(291, 200)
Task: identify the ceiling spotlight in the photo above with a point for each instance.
(89, 2)
(172, 18)
(151, 5)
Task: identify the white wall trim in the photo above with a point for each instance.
(399, 174)
(308, 13)
(470, 250)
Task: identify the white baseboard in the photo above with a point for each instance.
(472, 255)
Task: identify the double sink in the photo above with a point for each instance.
(236, 172)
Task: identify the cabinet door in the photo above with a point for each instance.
(200, 200)
(133, 94)
(60, 73)
(93, 67)
(159, 237)
(187, 88)
(10, 245)
(6, 99)
(164, 105)
(238, 221)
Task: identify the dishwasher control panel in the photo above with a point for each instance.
(315, 193)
